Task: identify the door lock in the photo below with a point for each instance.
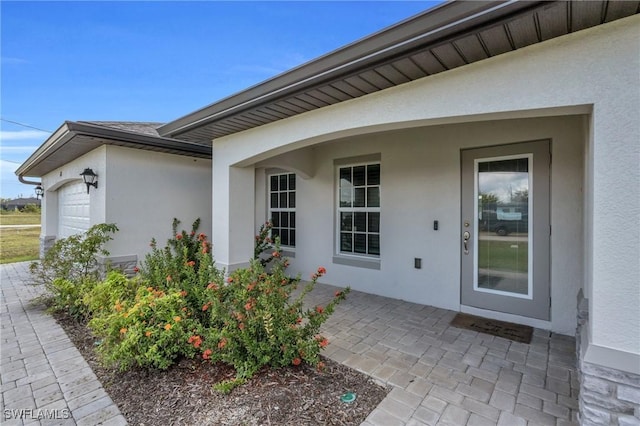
(465, 240)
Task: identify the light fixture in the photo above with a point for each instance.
(39, 192)
(90, 178)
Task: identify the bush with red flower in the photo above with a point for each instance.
(255, 320)
(179, 304)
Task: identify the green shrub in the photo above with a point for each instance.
(169, 264)
(73, 258)
(69, 269)
(114, 289)
(31, 208)
(185, 264)
(253, 322)
(263, 246)
(68, 296)
(181, 305)
(151, 330)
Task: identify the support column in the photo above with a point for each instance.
(608, 340)
(233, 203)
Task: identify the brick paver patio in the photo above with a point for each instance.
(44, 378)
(439, 374)
(444, 375)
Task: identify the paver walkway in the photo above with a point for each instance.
(439, 374)
(44, 378)
(444, 375)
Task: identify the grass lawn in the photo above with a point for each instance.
(20, 219)
(503, 255)
(19, 244)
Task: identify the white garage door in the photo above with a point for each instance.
(73, 209)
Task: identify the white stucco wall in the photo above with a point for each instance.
(140, 191)
(593, 71)
(420, 184)
(146, 190)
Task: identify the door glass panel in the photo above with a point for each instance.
(502, 212)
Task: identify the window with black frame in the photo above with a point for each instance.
(359, 209)
(282, 207)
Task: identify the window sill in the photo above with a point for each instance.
(288, 252)
(357, 262)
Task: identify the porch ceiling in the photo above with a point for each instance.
(440, 39)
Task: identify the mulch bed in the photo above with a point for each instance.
(183, 394)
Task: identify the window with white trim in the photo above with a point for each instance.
(282, 207)
(359, 210)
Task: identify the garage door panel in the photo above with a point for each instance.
(73, 209)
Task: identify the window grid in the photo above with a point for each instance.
(359, 210)
(282, 207)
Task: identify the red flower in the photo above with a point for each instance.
(338, 294)
(248, 306)
(183, 293)
(319, 309)
(136, 269)
(298, 320)
(322, 271)
(222, 343)
(196, 340)
(296, 361)
(251, 286)
(191, 263)
(207, 354)
(178, 236)
(322, 341)
(320, 366)
(276, 254)
(212, 286)
(230, 279)
(241, 326)
(202, 236)
(206, 306)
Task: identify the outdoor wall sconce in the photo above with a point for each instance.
(39, 192)
(90, 178)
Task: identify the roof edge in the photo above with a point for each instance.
(439, 18)
(70, 129)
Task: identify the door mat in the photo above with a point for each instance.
(507, 330)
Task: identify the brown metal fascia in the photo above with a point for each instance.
(71, 129)
(434, 24)
(139, 139)
(54, 142)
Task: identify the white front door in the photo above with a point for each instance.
(505, 229)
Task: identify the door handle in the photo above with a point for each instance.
(465, 240)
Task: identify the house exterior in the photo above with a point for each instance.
(379, 161)
(20, 203)
(143, 182)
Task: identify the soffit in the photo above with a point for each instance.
(74, 139)
(447, 37)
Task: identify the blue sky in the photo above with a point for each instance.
(154, 61)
